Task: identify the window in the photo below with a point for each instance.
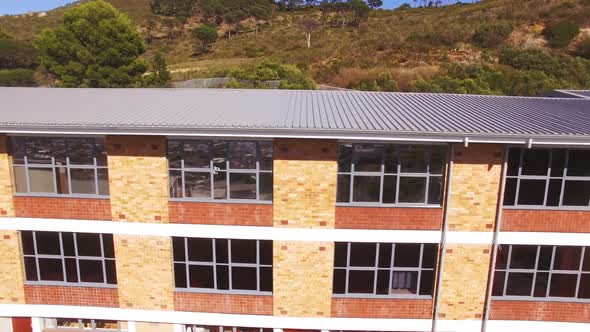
(548, 177)
(73, 166)
(220, 170)
(384, 269)
(203, 328)
(222, 265)
(542, 272)
(84, 324)
(390, 174)
(69, 258)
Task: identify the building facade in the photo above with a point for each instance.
(273, 210)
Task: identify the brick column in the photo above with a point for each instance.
(475, 185)
(11, 263)
(305, 173)
(138, 180)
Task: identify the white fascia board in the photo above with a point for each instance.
(544, 238)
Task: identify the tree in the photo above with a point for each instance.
(206, 35)
(309, 25)
(375, 3)
(360, 10)
(560, 34)
(160, 75)
(94, 46)
(17, 54)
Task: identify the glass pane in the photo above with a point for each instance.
(343, 186)
(404, 282)
(519, 284)
(523, 257)
(541, 282)
(554, 192)
(106, 324)
(557, 162)
(513, 161)
(243, 251)
(578, 163)
(180, 275)
(220, 154)
(426, 282)
(220, 185)
(67, 322)
(67, 240)
(435, 190)
(83, 181)
(266, 279)
(576, 193)
(88, 244)
(412, 190)
(502, 256)
(366, 188)
(201, 276)
(567, 258)
(51, 269)
(27, 242)
(71, 270)
(81, 150)
(61, 175)
(584, 291)
(265, 186)
(31, 269)
(510, 191)
(100, 152)
(340, 254)
(175, 180)
(103, 181)
(200, 250)
(385, 255)
(531, 192)
(563, 285)
(178, 249)
(344, 157)
(391, 160)
(222, 277)
(383, 282)
(242, 185)
(38, 150)
(339, 281)
(586, 263)
(48, 243)
(197, 185)
(535, 162)
(361, 282)
(242, 155)
(20, 179)
(406, 255)
(367, 157)
(265, 252)
(414, 159)
(265, 155)
(221, 251)
(17, 150)
(545, 258)
(498, 286)
(362, 254)
(111, 271)
(41, 180)
(429, 255)
(174, 153)
(108, 245)
(389, 185)
(197, 154)
(244, 278)
(437, 160)
(91, 271)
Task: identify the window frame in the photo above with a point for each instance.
(53, 166)
(547, 178)
(213, 263)
(62, 257)
(80, 326)
(398, 175)
(585, 250)
(212, 171)
(375, 268)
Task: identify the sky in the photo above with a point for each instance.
(12, 7)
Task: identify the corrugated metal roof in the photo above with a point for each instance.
(277, 112)
(570, 94)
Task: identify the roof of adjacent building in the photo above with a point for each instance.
(290, 113)
(584, 94)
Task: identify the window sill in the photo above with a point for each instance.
(225, 201)
(221, 292)
(69, 284)
(379, 205)
(49, 195)
(546, 208)
(540, 299)
(381, 297)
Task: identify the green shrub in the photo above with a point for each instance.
(583, 48)
(490, 35)
(560, 34)
(17, 54)
(17, 77)
(384, 82)
(530, 83)
(289, 76)
(530, 59)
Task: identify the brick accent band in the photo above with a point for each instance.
(388, 218)
(223, 303)
(62, 208)
(540, 311)
(545, 221)
(382, 308)
(71, 295)
(221, 213)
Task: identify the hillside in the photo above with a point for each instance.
(408, 44)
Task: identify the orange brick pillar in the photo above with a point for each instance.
(11, 262)
(304, 197)
(475, 185)
(138, 180)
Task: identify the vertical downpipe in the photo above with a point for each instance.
(498, 224)
(443, 237)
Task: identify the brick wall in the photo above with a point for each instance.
(546, 221)
(138, 178)
(62, 207)
(382, 308)
(153, 327)
(6, 203)
(223, 303)
(540, 311)
(144, 272)
(221, 213)
(72, 295)
(388, 218)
